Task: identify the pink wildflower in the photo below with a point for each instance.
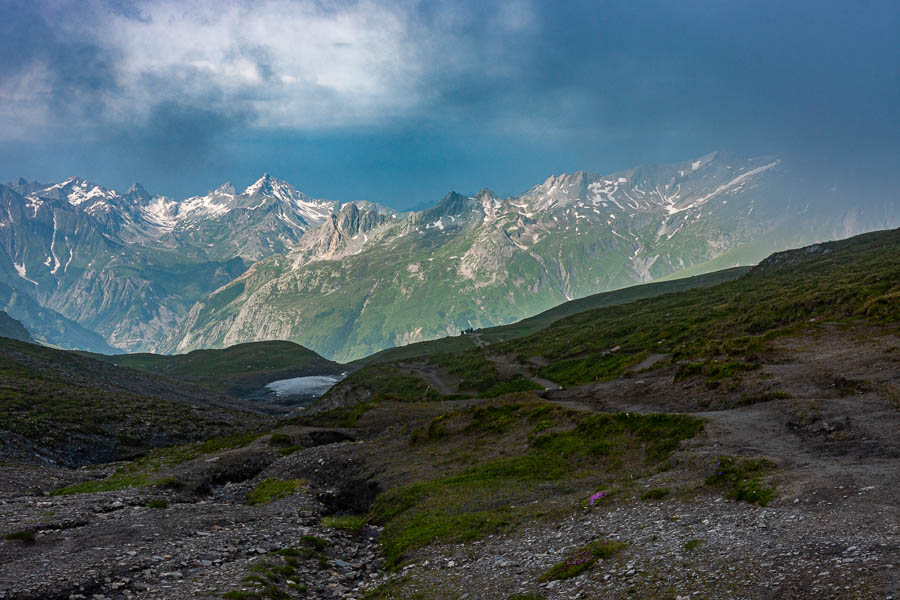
(597, 496)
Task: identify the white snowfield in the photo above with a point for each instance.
(314, 385)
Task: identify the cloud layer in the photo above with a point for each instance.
(415, 96)
(297, 64)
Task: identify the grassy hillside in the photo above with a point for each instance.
(614, 298)
(74, 410)
(546, 318)
(237, 370)
(854, 279)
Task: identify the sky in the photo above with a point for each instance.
(399, 102)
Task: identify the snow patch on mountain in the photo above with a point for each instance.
(20, 269)
(673, 208)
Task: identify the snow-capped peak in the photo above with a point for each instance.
(226, 189)
(78, 191)
(276, 188)
(263, 184)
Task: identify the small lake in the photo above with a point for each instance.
(312, 386)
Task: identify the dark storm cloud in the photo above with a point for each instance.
(76, 74)
(177, 138)
(803, 70)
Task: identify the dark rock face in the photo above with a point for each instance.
(354, 496)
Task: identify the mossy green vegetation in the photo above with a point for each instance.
(387, 589)
(605, 367)
(345, 522)
(20, 536)
(288, 450)
(713, 370)
(498, 490)
(531, 325)
(82, 410)
(160, 503)
(691, 545)
(581, 560)
(655, 494)
(312, 541)
(345, 416)
(742, 479)
(480, 376)
(277, 577)
(280, 439)
(270, 490)
(378, 384)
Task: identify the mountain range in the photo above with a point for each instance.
(83, 266)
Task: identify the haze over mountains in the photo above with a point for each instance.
(91, 268)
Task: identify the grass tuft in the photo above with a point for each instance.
(655, 494)
(345, 522)
(20, 536)
(691, 545)
(270, 490)
(742, 479)
(581, 560)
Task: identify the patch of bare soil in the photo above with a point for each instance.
(507, 366)
(440, 381)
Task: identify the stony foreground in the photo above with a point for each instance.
(831, 531)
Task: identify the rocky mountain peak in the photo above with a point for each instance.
(138, 192)
(226, 189)
(264, 184)
(451, 204)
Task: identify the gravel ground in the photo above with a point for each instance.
(808, 549)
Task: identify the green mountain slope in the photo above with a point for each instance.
(851, 279)
(73, 410)
(710, 330)
(540, 321)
